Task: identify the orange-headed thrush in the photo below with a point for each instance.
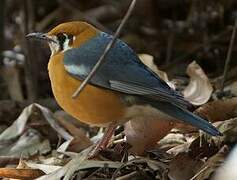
(122, 89)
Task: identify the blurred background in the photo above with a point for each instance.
(174, 32)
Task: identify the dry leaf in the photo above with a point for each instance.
(148, 60)
(17, 140)
(68, 170)
(219, 110)
(29, 143)
(183, 167)
(232, 87)
(20, 173)
(19, 125)
(47, 165)
(49, 117)
(199, 89)
(143, 133)
(229, 130)
(47, 169)
(171, 140)
(207, 169)
(80, 141)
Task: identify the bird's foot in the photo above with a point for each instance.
(102, 144)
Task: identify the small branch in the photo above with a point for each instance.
(106, 51)
(30, 67)
(229, 53)
(2, 13)
(201, 171)
(131, 175)
(32, 61)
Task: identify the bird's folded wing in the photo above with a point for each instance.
(151, 93)
(121, 71)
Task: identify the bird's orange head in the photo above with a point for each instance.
(67, 35)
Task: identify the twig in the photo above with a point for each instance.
(29, 66)
(107, 49)
(229, 53)
(2, 12)
(201, 171)
(131, 175)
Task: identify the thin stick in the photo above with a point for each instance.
(229, 53)
(107, 49)
(201, 171)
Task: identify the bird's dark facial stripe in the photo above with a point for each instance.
(61, 39)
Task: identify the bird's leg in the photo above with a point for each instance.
(102, 144)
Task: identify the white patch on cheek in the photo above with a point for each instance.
(78, 70)
(66, 45)
(54, 47)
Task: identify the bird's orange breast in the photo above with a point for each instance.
(94, 105)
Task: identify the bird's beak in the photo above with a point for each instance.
(40, 36)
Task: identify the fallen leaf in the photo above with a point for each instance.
(208, 168)
(19, 125)
(199, 89)
(20, 173)
(49, 117)
(144, 132)
(229, 130)
(78, 162)
(19, 140)
(47, 169)
(80, 140)
(232, 87)
(183, 167)
(219, 110)
(29, 143)
(148, 60)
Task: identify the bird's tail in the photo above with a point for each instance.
(187, 117)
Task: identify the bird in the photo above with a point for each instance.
(122, 89)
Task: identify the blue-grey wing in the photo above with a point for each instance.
(122, 70)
